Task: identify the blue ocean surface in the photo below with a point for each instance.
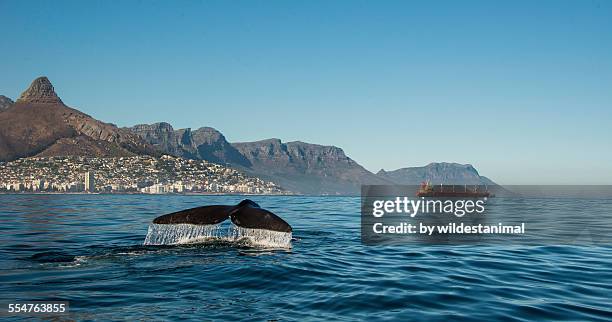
(88, 250)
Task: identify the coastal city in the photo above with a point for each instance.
(138, 174)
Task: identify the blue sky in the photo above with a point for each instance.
(520, 89)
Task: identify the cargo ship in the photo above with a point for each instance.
(428, 190)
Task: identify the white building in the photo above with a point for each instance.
(90, 182)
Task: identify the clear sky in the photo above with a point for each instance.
(520, 89)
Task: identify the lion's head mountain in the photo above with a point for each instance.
(39, 123)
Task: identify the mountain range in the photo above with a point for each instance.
(40, 124)
(296, 166)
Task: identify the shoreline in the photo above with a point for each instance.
(147, 194)
(167, 194)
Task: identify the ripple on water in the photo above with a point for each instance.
(49, 250)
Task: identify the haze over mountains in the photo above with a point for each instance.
(40, 124)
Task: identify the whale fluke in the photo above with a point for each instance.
(206, 215)
(247, 203)
(259, 225)
(257, 218)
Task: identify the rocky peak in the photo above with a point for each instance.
(5, 102)
(205, 143)
(41, 92)
(207, 135)
(155, 128)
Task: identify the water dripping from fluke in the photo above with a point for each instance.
(175, 234)
(182, 234)
(251, 226)
(260, 237)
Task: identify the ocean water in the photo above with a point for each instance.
(88, 249)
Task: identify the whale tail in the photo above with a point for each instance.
(206, 215)
(257, 218)
(247, 203)
(251, 222)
